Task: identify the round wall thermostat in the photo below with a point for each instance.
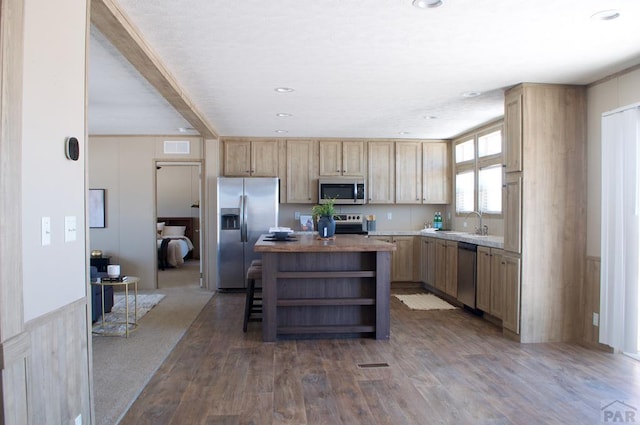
(72, 148)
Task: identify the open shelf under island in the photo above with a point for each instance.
(314, 287)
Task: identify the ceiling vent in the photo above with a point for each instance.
(180, 147)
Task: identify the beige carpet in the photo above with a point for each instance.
(424, 302)
(122, 367)
(114, 321)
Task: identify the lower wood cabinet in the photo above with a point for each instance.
(451, 286)
(490, 281)
(402, 260)
(428, 261)
(511, 315)
(441, 265)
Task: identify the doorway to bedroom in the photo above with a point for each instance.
(178, 218)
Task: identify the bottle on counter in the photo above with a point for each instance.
(437, 221)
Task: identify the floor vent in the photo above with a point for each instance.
(372, 365)
(177, 147)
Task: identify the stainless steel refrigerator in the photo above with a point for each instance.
(247, 208)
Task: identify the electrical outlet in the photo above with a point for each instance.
(389, 216)
(464, 224)
(78, 420)
(296, 215)
(46, 231)
(596, 319)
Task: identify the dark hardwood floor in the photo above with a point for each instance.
(439, 367)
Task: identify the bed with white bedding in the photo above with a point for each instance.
(179, 244)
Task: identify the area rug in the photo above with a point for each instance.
(114, 321)
(424, 302)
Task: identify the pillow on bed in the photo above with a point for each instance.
(174, 230)
(159, 227)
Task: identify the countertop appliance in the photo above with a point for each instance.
(247, 208)
(467, 273)
(350, 223)
(345, 191)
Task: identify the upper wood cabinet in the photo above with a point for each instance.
(408, 172)
(436, 173)
(302, 175)
(381, 187)
(513, 131)
(342, 158)
(250, 158)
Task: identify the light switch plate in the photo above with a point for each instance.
(70, 228)
(596, 319)
(46, 231)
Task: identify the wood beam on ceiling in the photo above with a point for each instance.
(112, 22)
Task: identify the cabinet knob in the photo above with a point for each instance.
(344, 171)
(337, 171)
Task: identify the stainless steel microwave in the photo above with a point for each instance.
(346, 191)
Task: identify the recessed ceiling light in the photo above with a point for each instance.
(404, 133)
(471, 94)
(281, 131)
(185, 129)
(431, 117)
(283, 114)
(427, 4)
(283, 89)
(606, 15)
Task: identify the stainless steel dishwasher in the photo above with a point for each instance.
(467, 273)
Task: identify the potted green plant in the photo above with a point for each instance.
(323, 214)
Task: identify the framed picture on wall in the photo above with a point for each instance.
(97, 208)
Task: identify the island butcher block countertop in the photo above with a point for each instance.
(307, 242)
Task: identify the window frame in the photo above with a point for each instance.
(476, 164)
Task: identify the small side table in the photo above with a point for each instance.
(126, 282)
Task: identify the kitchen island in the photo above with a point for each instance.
(313, 287)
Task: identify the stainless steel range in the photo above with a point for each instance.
(351, 223)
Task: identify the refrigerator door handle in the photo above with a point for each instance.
(241, 218)
(245, 218)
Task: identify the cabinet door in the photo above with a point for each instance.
(302, 183)
(431, 261)
(381, 176)
(452, 269)
(402, 259)
(513, 131)
(353, 162)
(264, 158)
(441, 265)
(513, 212)
(511, 317)
(436, 174)
(497, 283)
(483, 279)
(330, 158)
(424, 260)
(237, 158)
(408, 172)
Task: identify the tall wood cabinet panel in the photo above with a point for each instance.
(342, 158)
(512, 217)
(302, 174)
(381, 186)
(436, 173)
(250, 158)
(408, 172)
(497, 283)
(544, 275)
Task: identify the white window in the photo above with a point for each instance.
(465, 151)
(465, 185)
(490, 189)
(479, 171)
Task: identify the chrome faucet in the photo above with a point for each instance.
(480, 230)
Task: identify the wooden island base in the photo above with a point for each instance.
(326, 288)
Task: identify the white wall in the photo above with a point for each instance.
(125, 167)
(53, 109)
(611, 94)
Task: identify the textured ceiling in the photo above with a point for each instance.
(372, 68)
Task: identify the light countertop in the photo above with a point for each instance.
(488, 241)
